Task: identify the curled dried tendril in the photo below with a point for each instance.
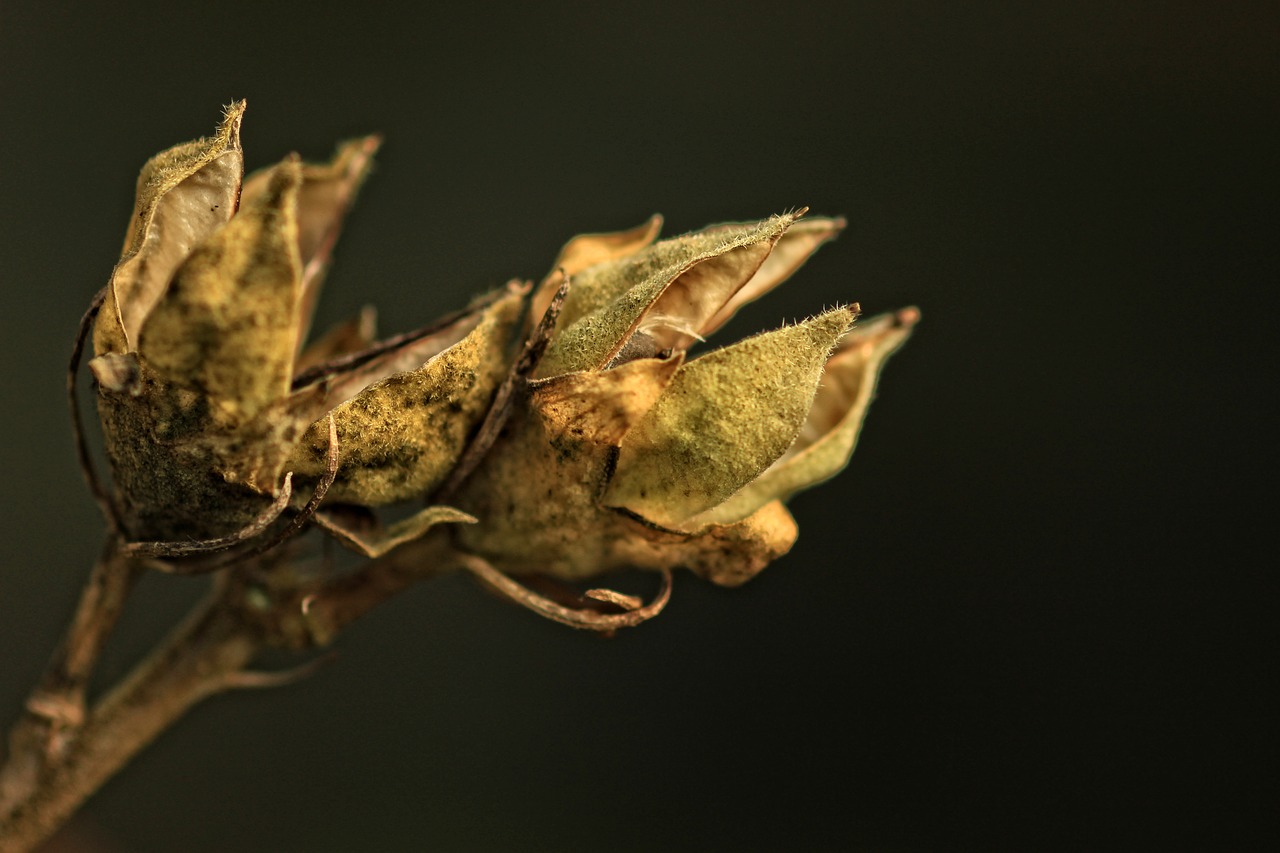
(634, 613)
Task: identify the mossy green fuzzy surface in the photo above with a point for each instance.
(227, 325)
(535, 498)
(827, 439)
(696, 274)
(177, 476)
(724, 419)
(400, 437)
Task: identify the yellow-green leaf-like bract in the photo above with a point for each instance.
(723, 420)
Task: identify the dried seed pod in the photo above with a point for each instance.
(625, 454)
(206, 396)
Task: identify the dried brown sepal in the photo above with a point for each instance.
(184, 195)
(600, 406)
(726, 554)
(724, 419)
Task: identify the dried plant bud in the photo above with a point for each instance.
(205, 391)
(625, 454)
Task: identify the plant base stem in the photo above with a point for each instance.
(195, 662)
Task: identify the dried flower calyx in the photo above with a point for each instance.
(627, 453)
(207, 397)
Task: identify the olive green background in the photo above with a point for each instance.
(1027, 616)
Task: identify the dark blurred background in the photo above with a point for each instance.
(1026, 617)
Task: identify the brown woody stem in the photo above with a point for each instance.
(56, 707)
(57, 760)
(190, 665)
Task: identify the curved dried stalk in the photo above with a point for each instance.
(251, 530)
(295, 525)
(589, 620)
(87, 467)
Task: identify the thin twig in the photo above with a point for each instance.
(204, 656)
(96, 614)
(188, 667)
(253, 680)
(55, 710)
